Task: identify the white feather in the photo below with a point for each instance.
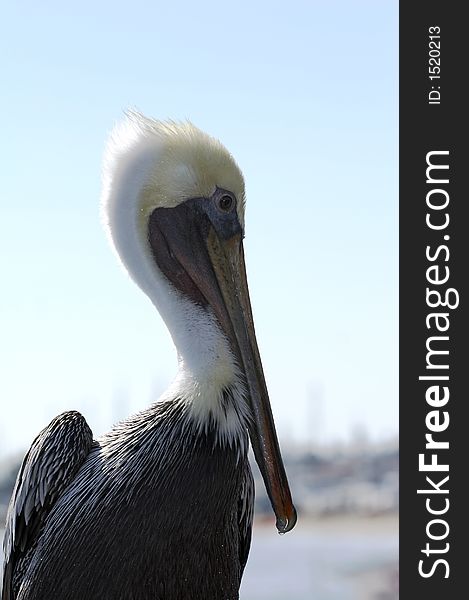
(150, 164)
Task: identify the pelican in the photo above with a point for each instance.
(161, 506)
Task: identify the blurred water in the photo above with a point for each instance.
(332, 560)
(336, 560)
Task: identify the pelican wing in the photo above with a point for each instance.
(245, 516)
(47, 469)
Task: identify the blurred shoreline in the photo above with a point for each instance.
(360, 479)
(361, 524)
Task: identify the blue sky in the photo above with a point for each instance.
(304, 94)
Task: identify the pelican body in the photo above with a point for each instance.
(161, 506)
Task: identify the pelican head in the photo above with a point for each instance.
(173, 203)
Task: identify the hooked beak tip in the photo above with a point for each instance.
(286, 524)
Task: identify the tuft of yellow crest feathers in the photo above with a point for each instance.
(174, 161)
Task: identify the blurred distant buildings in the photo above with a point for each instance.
(351, 480)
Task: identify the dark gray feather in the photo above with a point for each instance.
(47, 469)
(158, 510)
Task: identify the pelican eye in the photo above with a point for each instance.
(226, 203)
